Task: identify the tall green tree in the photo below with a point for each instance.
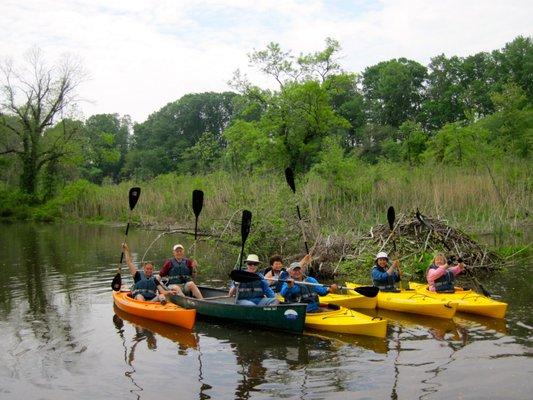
(33, 98)
(393, 91)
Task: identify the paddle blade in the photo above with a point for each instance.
(116, 283)
(133, 197)
(391, 216)
(289, 176)
(245, 224)
(243, 276)
(367, 291)
(197, 202)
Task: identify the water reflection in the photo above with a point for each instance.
(61, 333)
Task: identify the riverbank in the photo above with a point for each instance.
(343, 204)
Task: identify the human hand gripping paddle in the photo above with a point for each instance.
(133, 197)
(289, 176)
(245, 276)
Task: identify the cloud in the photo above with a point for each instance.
(144, 54)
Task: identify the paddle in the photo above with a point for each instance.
(391, 216)
(246, 223)
(245, 277)
(289, 176)
(197, 204)
(421, 218)
(133, 197)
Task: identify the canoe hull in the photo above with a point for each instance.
(344, 320)
(468, 301)
(411, 301)
(282, 317)
(168, 313)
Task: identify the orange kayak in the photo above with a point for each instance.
(169, 313)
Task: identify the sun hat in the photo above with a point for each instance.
(252, 258)
(294, 265)
(178, 246)
(382, 254)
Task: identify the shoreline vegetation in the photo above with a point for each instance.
(336, 217)
(451, 138)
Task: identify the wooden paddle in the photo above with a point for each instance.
(474, 280)
(245, 276)
(246, 223)
(133, 197)
(289, 176)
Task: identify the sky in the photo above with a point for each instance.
(140, 55)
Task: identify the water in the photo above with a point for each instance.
(62, 337)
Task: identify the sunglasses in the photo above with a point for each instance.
(252, 263)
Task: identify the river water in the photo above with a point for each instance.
(62, 337)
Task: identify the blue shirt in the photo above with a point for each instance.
(296, 290)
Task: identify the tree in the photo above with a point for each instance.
(393, 91)
(33, 99)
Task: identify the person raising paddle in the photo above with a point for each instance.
(180, 270)
(146, 285)
(294, 293)
(441, 273)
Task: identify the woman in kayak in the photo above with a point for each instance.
(295, 292)
(256, 293)
(179, 270)
(146, 286)
(441, 274)
(276, 272)
(383, 276)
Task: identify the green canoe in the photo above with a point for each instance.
(217, 304)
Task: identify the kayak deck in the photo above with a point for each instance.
(468, 301)
(169, 313)
(337, 319)
(350, 299)
(412, 301)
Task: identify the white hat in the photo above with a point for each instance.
(252, 258)
(294, 265)
(382, 254)
(178, 246)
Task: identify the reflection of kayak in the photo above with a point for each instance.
(468, 301)
(411, 301)
(217, 304)
(168, 313)
(349, 300)
(337, 319)
(472, 320)
(377, 345)
(176, 334)
(409, 320)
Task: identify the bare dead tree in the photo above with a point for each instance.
(32, 99)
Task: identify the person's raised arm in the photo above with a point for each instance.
(129, 261)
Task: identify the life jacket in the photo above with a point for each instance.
(179, 272)
(384, 286)
(250, 290)
(305, 295)
(145, 286)
(443, 284)
(283, 274)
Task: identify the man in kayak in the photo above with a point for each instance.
(146, 286)
(295, 290)
(441, 274)
(383, 276)
(179, 270)
(256, 293)
(276, 272)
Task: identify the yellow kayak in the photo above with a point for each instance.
(468, 301)
(412, 301)
(350, 300)
(333, 318)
